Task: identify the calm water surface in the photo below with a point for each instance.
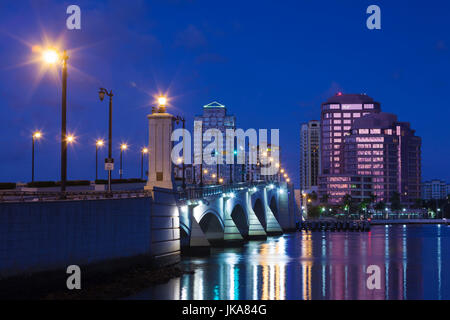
(413, 260)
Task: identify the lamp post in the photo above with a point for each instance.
(143, 152)
(123, 147)
(98, 145)
(36, 136)
(217, 172)
(51, 56)
(102, 92)
(178, 119)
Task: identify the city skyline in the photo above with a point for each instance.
(185, 61)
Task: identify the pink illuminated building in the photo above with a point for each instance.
(373, 154)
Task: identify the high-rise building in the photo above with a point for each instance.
(374, 155)
(435, 190)
(387, 150)
(338, 114)
(215, 117)
(309, 154)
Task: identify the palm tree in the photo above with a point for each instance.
(347, 202)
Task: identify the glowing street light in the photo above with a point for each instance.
(98, 144)
(144, 151)
(162, 101)
(51, 56)
(123, 147)
(36, 136)
(70, 138)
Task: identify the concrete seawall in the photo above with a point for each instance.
(45, 236)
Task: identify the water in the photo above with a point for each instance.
(413, 261)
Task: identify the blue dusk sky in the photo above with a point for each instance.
(272, 63)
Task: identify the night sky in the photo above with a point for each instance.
(272, 63)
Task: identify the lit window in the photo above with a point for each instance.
(351, 106)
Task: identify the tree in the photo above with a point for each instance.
(324, 199)
(418, 203)
(347, 203)
(395, 202)
(380, 206)
(313, 211)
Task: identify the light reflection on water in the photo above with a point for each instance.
(320, 265)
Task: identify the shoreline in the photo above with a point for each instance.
(408, 221)
(120, 285)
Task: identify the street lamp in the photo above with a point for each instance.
(52, 57)
(143, 152)
(70, 139)
(36, 136)
(123, 147)
(110, 159)
(98, 145)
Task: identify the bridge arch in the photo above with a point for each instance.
(240, 220)
(273, 206)
(258, 208)
(184, 235)
(212, 226)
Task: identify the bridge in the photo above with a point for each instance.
(45, 231)
(218, 214)
(229, 215)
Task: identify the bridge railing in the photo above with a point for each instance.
(195, 193)
(38, 196)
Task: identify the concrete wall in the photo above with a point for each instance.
(45, 236)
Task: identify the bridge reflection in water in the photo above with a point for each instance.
(320, 266)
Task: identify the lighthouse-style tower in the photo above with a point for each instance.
(160, 173)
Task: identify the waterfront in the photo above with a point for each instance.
(320, 265)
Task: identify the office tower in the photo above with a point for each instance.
(377, 156)
(387, 150)
(435, 190)
(309, 154)
(215, 117)
(338, 114)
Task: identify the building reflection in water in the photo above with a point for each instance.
(320, 265)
